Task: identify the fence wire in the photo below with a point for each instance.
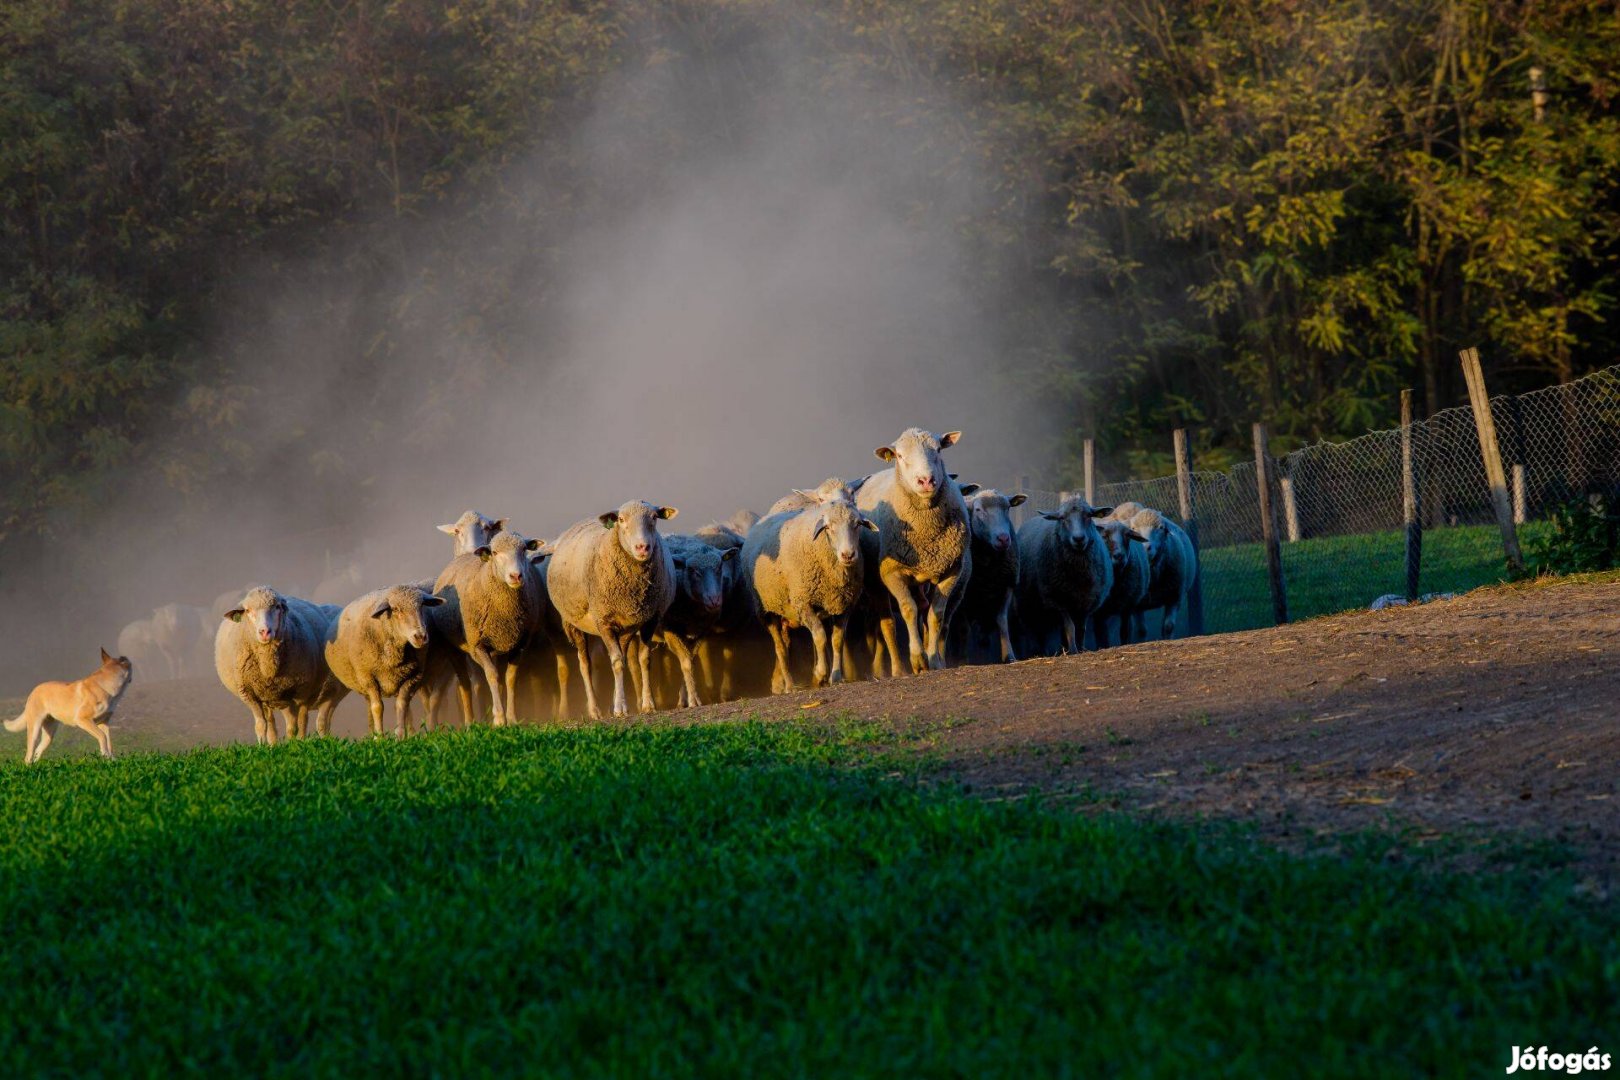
(1340, 511)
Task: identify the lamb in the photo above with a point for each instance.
(703, 576)
(832, 489)
(378, 645)
(987, 598)
(269, 651)
(1064, 573)
(1172, 569)
(472, 531)
(493, 611)
(613, 577)
(921, 550)
(1127, 550)
(797, 580)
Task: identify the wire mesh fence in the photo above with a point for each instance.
(1340, 510)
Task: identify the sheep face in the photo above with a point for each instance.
(472, 531)
(1119, 537)
(507, 554)
(991, 514)
(918, 467)
(842, 524)
(265, 612)
(1074, 520)
(636, 524)
(706, 576)
(402, 608)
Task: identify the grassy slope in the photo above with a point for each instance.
(654, 901)
(1336, 573)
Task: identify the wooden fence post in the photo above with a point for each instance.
(1189, 521)
(1409, 500)
(1090, 446)
(1492, 454)
(1290, 509)
(1518, 494)
(1268, 526)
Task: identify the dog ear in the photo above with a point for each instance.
(105, 657)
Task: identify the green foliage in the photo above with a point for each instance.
(1583, 535)
(657, 901)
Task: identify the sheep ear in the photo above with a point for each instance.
(451, 529)
(531, 545)
(885, 452)
(807, 494)
(1018, 500)
(1050, 516)
(235, 614)
(499, 524)
(609, 519)
(667, 512)
(1132, 534)
(856, 486)
(950, 438)
(728, 554)
(432, 601)
(1101, 511)
(679, 561)
(381, 609)
(868, 523)
(105, 656)
(968, 489)
(821, 527)
(539, 557)
(483, 553)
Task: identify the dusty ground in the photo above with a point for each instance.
(1495, 713)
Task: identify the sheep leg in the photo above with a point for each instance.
(615, 651)
(899, 588)
(1070, 645)
(582, 646)
(1170, 612)
(644, 662)
(1138, 625)
(839, 626)
(323, 718)
(782, 679)
(298, 721)
(402, 715)
(511, 680)
(374, 711)
(632, 663)
(728, 664)
(818, 647)
(940, 610)
(562, 685)
(705, 659)
(492, 676)
(683, 657)
(1003, 627)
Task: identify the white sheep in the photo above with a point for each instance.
(1127, 549)
(612, 577)
(378, 646)
(738, 646)
(921, 550)
(492, 613)
(1064, 574)
(472, 531)
(832, 489)
(805, 568)
(1172, 569)
(987, 599)
(741, 521)
(269, 651)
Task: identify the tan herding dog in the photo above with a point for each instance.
(88, 702)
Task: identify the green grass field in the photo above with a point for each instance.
(745, 900)
(1337, 573)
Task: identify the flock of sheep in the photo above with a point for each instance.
(902, 569)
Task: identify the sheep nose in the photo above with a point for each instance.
(848, 556)
(643, 550)
(926, 483)
(1003, 542)
(514, 580)
(419, 639)
(264, 634)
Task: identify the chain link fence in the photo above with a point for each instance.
(1340, 512)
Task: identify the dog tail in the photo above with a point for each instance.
(17, 724)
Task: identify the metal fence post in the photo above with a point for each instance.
(1268, 526)
(1409, 500)
(1492, 454)
(1189, 521)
